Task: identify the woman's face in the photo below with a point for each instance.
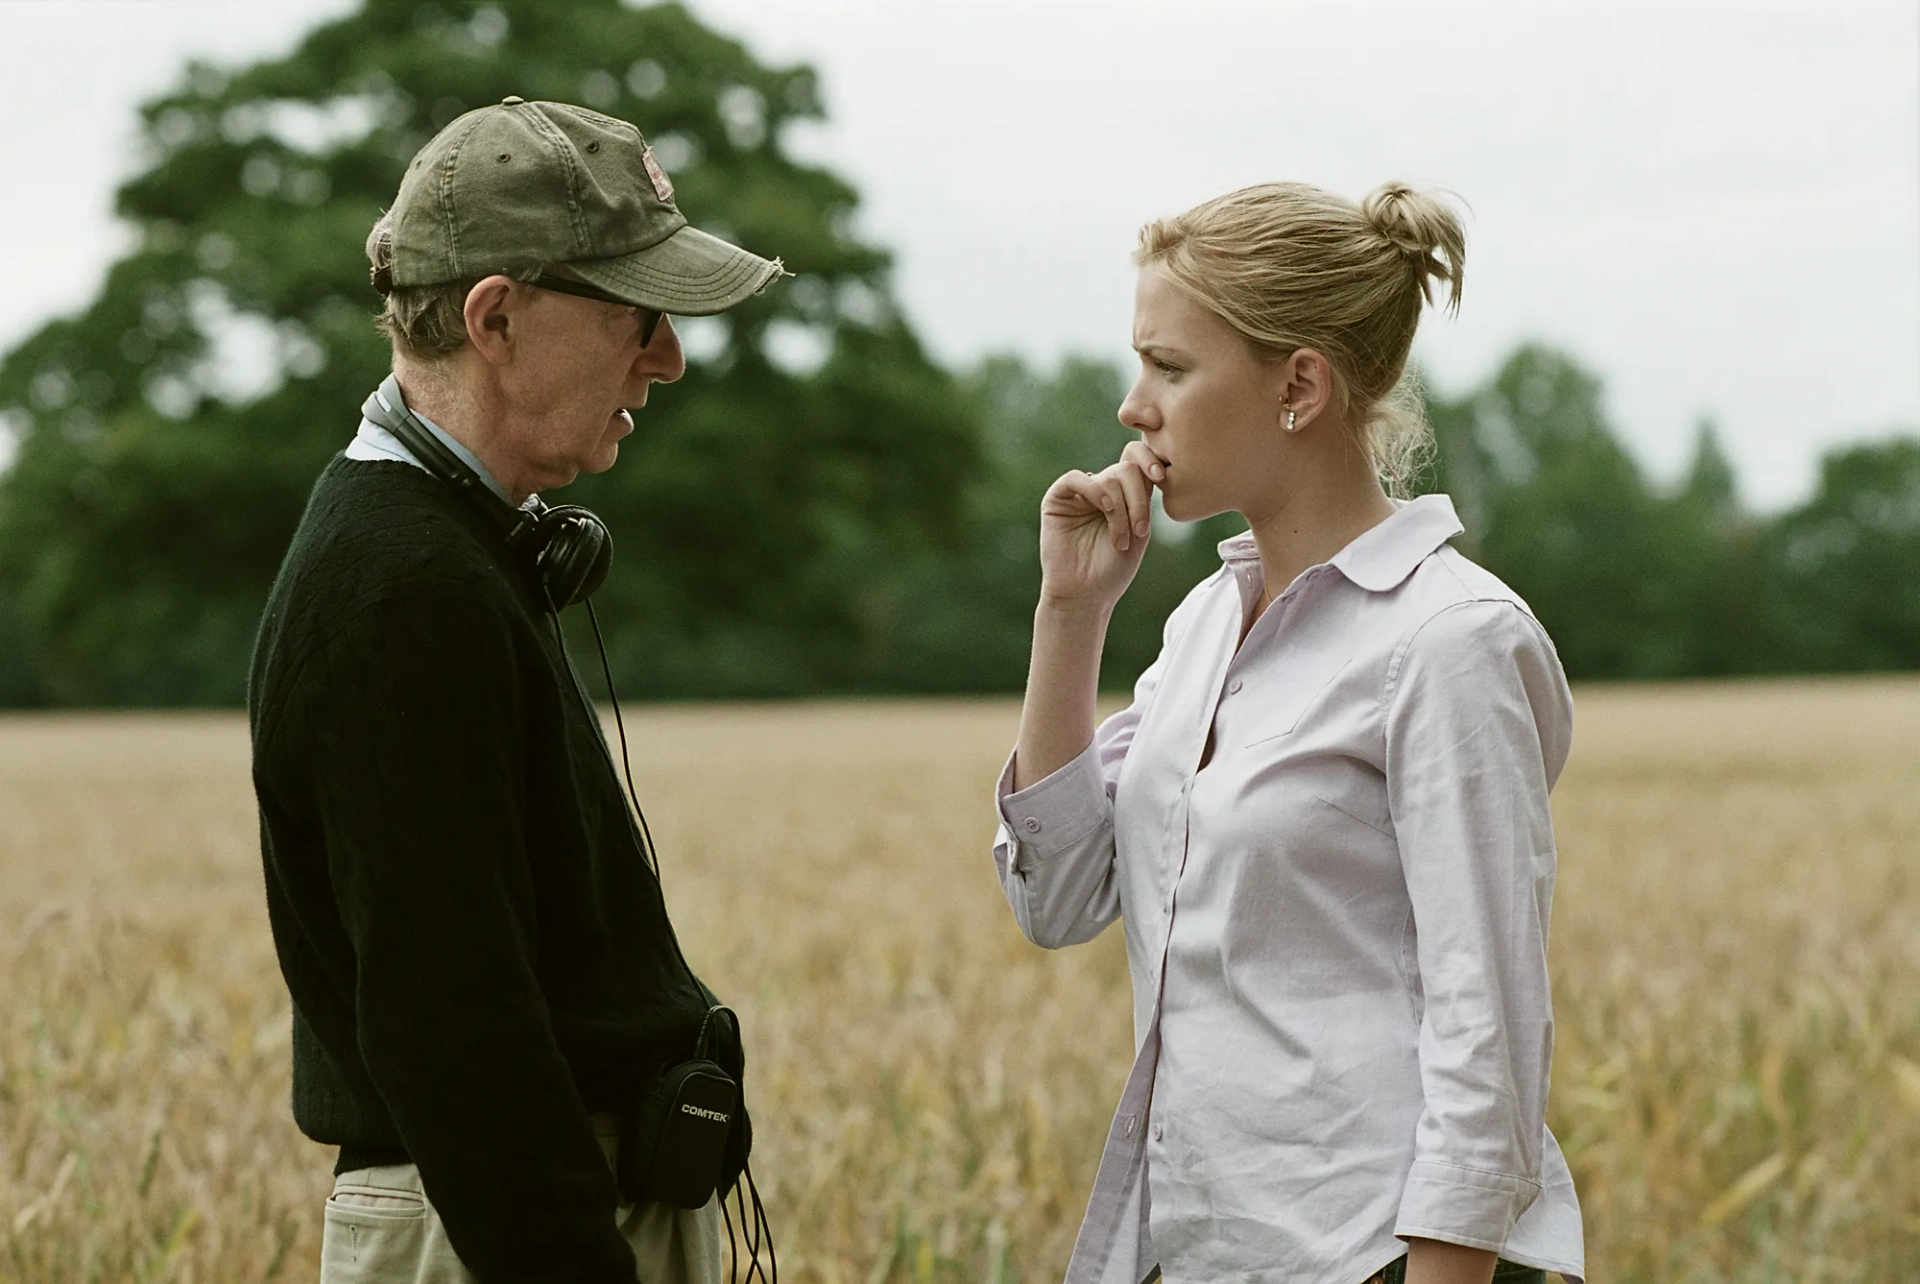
(1204, 403)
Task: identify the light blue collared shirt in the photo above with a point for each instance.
(375, 442)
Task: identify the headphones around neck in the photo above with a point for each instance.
(567, 547)
(569, 550)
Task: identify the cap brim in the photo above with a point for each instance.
(690, 274)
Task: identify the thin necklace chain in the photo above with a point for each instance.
(1262, 602)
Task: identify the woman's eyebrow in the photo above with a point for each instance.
(1151, 349)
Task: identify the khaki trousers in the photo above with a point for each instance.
(380, 1229)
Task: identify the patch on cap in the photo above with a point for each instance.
(662, 185)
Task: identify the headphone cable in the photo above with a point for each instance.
(620, 725)
(761, 1226)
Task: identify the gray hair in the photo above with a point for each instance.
(426, 322)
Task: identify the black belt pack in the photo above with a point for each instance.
(689, 1135)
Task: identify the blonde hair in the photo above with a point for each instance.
(1291, 266)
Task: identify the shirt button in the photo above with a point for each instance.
(1233, 687)
(1159, 1130)
(1031, 824)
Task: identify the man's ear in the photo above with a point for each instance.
(1306, 387)
(493, 315)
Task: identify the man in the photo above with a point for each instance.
(484, 980)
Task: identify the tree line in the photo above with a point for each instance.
(818, 507)
(1634, 580)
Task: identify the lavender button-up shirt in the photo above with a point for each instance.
(1337, 928)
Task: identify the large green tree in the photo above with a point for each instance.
(167, 433)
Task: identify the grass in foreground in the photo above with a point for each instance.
(1737, 1082)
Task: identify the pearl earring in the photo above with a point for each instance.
(1291, 426)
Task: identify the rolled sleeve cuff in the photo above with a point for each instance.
(1462, 1205)
(1053, 814)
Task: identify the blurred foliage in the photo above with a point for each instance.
(817, 507)
(157, 482)
(959, 620)
(1847, 592)
(1636, 582)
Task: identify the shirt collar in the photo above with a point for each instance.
(1385, 555)
(385, 443)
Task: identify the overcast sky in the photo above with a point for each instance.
(1715, 206)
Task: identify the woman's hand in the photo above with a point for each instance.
(1094, 529)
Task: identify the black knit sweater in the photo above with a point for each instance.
(477, 952)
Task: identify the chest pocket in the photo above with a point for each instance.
(1277, 702)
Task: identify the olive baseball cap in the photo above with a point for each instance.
(526, 185)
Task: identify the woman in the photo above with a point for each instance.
(1324, 817)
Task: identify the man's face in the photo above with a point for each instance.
(578, 366)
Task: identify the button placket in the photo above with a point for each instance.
(1177, 842)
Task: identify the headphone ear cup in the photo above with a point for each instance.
(575, 550)
(600, 546)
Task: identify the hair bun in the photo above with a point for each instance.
(1426, 230)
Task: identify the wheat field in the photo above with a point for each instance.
(1736, 958)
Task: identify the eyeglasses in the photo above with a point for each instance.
(649, 317)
